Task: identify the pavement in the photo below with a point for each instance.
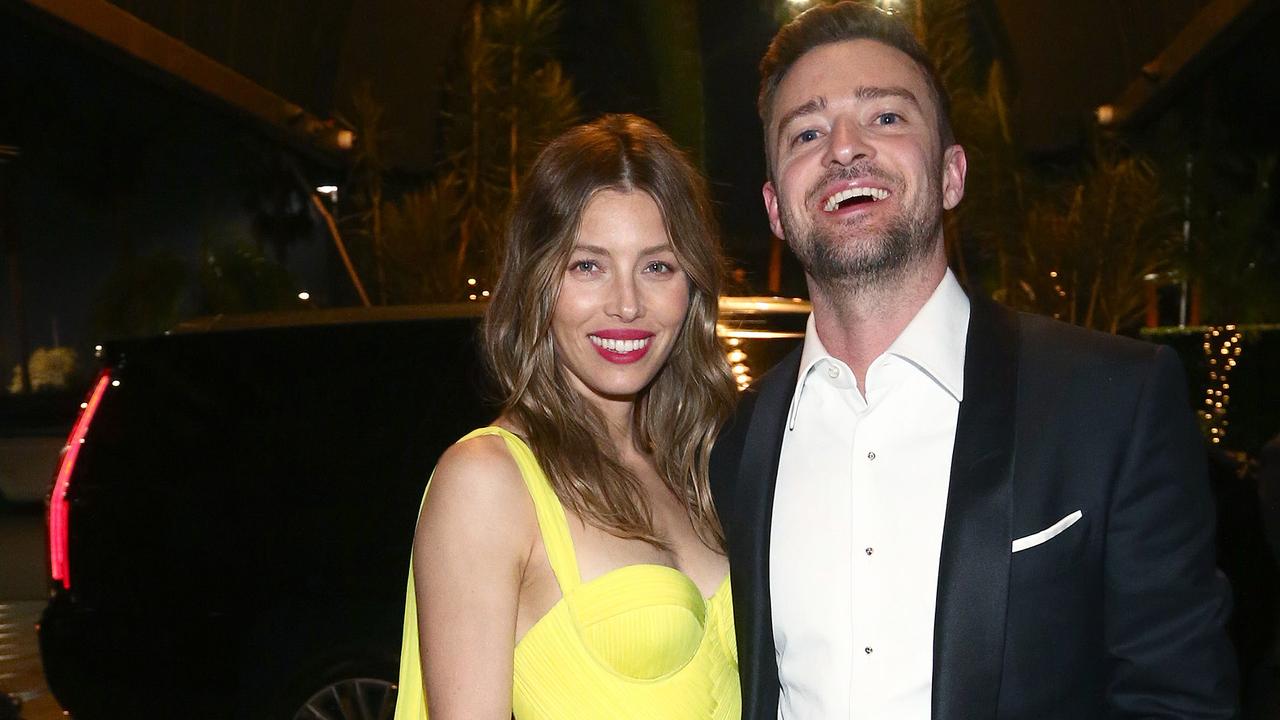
(22, 597)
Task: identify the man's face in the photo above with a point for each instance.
(858, 177)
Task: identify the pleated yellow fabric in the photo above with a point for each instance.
(639, 642)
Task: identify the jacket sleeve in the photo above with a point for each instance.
(1165, 602)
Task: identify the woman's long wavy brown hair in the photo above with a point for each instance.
(678, 414)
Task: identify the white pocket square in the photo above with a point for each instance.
(1046, 534)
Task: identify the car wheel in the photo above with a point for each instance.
(351, 698)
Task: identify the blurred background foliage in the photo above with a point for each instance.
(1093, 236)
(505, 97)
(1181, 217)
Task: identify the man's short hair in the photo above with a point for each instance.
(840, 22)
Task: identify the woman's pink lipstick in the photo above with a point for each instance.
(621, 346)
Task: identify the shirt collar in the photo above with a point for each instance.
(933, 341)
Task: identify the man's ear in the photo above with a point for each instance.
(771, 208)
(954, 167)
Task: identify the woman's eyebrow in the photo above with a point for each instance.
(596, 249)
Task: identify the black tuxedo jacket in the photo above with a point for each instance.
(1119, 616)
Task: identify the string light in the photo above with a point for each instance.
(1219, 343)
(737, 358)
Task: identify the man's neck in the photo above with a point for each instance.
(857, 324)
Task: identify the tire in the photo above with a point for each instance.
(351, 691)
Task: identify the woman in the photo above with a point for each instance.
(568, 562)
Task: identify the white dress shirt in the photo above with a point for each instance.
(857, 520)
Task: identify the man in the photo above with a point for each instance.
(938, 508)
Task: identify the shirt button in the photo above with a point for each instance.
(866, 650)
(833, 372)
(870, 550)
(871, 455)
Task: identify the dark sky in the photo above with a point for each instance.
(111, 163)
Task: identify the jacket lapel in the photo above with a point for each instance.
(749, 565)
(973, 571)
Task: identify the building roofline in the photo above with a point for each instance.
(1218, 26)
(128, 37)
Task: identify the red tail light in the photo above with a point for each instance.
(60, 570)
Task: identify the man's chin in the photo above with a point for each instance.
(863, 263)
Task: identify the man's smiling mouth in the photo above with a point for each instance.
(854, 196)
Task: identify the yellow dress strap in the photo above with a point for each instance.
(552, 522)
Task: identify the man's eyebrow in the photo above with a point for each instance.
(874, 92)
(862, 93)
(812, 105)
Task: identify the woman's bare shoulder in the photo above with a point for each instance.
(479, 470)
(476, 488)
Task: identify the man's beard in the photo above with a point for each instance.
(852, 258)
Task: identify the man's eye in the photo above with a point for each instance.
(807, 136)
(888, 118)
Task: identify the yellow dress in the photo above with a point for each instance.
(637, 642)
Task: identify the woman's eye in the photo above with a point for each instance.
(657, 266)
(584, 266)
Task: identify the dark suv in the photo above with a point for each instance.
(230, 524)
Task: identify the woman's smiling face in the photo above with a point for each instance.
(623, 298)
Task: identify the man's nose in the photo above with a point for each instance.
(848, 144)
(624, 301)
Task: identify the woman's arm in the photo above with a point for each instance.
(472, 542)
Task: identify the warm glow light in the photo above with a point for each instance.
(485, 293)
(304, 295)
(471, 281)
(760, 335)
(472, 296)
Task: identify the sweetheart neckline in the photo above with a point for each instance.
(706, 600)
(562, 600)
(562, 605)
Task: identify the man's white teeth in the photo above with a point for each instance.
(619, 346)
(874, 193)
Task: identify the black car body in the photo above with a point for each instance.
(231, 523)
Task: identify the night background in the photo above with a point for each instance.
(159, 161)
